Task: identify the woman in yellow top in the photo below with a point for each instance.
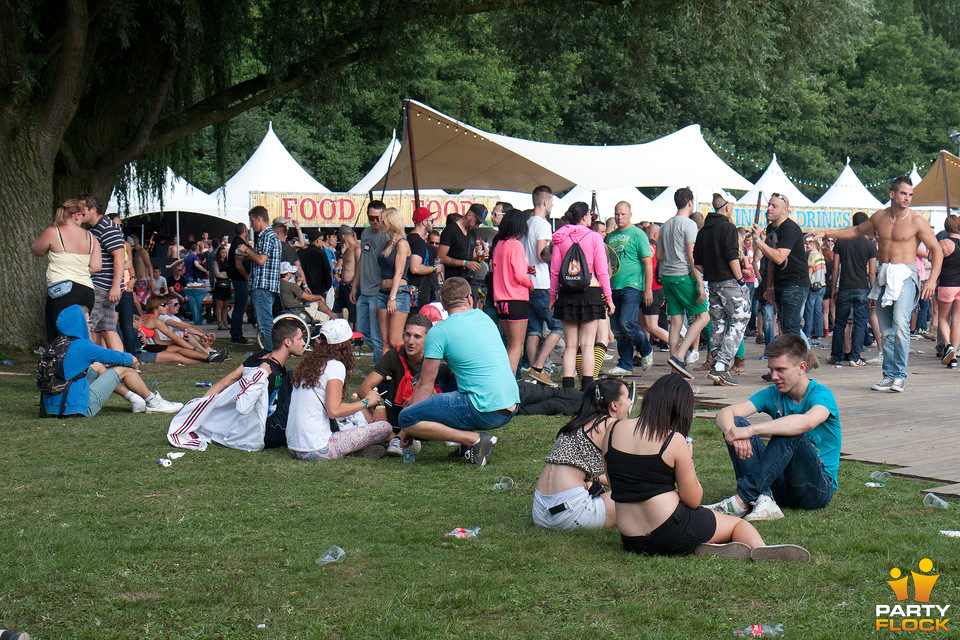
(72, 255)
(813, 312)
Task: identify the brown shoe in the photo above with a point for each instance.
(739, 366)
(706, 366)
(813, 362)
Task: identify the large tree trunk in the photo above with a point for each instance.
(26, 199)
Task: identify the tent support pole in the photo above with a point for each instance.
(946, 189)
(179, 239)
(413, 160)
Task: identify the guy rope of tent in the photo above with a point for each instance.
(803, 181)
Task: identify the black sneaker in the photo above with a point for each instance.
(721, 378)
(460, 451)
(480, 452)
(218, 356)
(679, 367)
(767, 377)
(240, 340)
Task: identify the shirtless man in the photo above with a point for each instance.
(897, 287)
(348, 259)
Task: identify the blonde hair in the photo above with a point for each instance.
(66, 210)
(393, 222)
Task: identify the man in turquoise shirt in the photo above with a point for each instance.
(487, 396)
(798, 466)
(631, 284)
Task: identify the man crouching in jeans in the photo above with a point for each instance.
(487, 396)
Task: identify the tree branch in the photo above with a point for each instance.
(69, 75)
(9, 45)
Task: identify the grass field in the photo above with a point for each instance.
(100, 542)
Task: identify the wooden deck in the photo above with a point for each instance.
(917, 431)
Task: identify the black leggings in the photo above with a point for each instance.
(80, 294)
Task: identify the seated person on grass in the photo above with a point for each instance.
(293, 298)
(247, 409)
(570, 493)
(163, 345)
(797, 468)
(655, 486)
(321, 426)
(395, 375)
(487, 397)
(196, 338)
(105, 369)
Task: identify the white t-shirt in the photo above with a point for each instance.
(308, 426)
(166, 320)
(537, 229)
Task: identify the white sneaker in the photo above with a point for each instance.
(876, 360)
(764, 509)
(898, 385)
(647, 361)
(730, 506)
(619, 371)
(395, 449)
(138, 404)
(156, 404)
(884, 385)
(693, 357)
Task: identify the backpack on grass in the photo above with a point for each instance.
(51, 378)
(574, 272)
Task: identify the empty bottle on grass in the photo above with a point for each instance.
(6, 634)
(760, 631)
(933, 500)
(460, 532)
(506, 482)
(409, 456)
(333, 554)
(879, 476)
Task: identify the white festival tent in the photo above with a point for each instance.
(640, 205)
(519, 200)
(702, 193)
(375, 175)
(454, 155)
(849, 192)
(271, 168)
(774, 180)
(178, 195)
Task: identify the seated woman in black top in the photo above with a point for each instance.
(650, 468)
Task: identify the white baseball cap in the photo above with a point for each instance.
(286, 267)
(338, 330)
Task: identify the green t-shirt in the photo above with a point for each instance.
(630, 245)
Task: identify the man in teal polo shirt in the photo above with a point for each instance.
(486, 398)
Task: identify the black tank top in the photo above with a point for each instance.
(634, 477)
(950, 271)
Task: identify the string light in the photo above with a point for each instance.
(809, 183)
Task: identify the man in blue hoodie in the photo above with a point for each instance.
(105, 369)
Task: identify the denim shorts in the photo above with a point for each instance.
(455, 410)
(582, 510)
(540, 316)
(403, 299)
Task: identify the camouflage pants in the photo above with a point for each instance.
(729, 314)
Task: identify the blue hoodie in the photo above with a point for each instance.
(80, 355)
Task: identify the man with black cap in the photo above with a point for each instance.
(315, 264)
(423, 264)
(716, 254)
(288, 251)
(458, 242)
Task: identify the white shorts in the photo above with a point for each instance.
(582, 512)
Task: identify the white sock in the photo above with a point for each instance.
(130, 395)
(720, 366)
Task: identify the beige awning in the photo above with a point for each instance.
(941, 182)
(453, 155)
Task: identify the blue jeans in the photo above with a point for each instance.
(894, 324)
(924, 312)
(625, 327)
(850, 301)
(241, 294)
(790, 301)
(539, 311)
(455, 410)
(368, 325)
(767, 311)
(813, 313)
(263, 309)
(125, 310)
(787, 468)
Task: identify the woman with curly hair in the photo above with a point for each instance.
(320, 425)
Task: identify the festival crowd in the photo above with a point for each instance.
(464, 334)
